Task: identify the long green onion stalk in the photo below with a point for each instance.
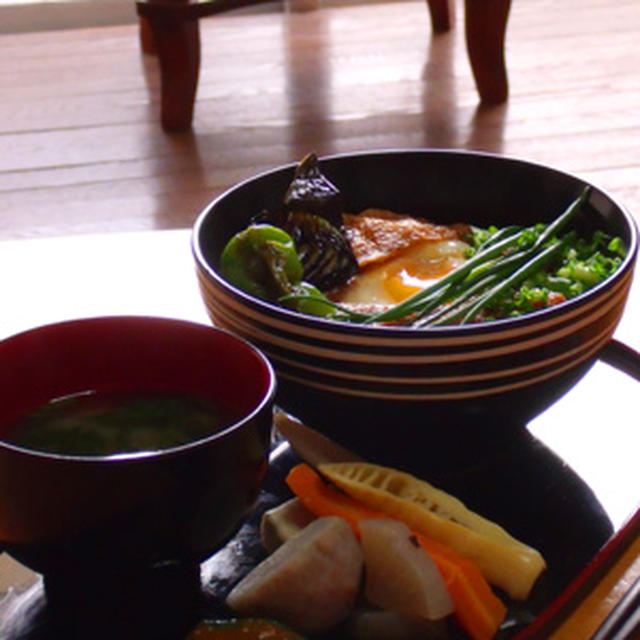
(509, 256)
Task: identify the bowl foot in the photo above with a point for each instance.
(158, 602)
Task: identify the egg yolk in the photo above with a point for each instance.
(406, 274)
(406, 282)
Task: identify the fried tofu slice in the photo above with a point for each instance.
(377, 234)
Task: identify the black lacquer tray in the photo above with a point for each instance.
(568, 484)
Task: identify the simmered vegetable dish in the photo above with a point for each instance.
(381, 267)
(364, 552)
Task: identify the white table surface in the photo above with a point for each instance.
(138, 273)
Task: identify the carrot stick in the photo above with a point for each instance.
(478, 610)
(323, 500)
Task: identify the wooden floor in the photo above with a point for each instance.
(81, 150)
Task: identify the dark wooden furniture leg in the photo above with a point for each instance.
(170, 28)
(485, 27)
(176, 40)
(146, 36)
(442, 15)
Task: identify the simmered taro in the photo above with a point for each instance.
(310, 583)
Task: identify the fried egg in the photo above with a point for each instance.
(403, 275)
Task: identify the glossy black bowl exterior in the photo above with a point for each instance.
(64, 514)
(368, 385)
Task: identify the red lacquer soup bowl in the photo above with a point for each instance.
(65, 514)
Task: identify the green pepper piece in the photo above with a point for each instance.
(262, 261)
(308, 299)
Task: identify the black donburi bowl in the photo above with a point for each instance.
(370, 386)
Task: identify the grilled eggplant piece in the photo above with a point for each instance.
(324, 252)
(311, 214)
(326, 255)
(310, 191)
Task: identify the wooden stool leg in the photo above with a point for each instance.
(441, 12)
(486, 24)
(146, 36)
(177, 42)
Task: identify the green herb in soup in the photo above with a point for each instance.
(102, 424)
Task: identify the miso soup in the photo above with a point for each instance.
(102, 424)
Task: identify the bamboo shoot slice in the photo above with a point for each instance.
(505, 561)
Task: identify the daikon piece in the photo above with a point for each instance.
(400, 575)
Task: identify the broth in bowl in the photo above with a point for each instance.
(111, 423)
